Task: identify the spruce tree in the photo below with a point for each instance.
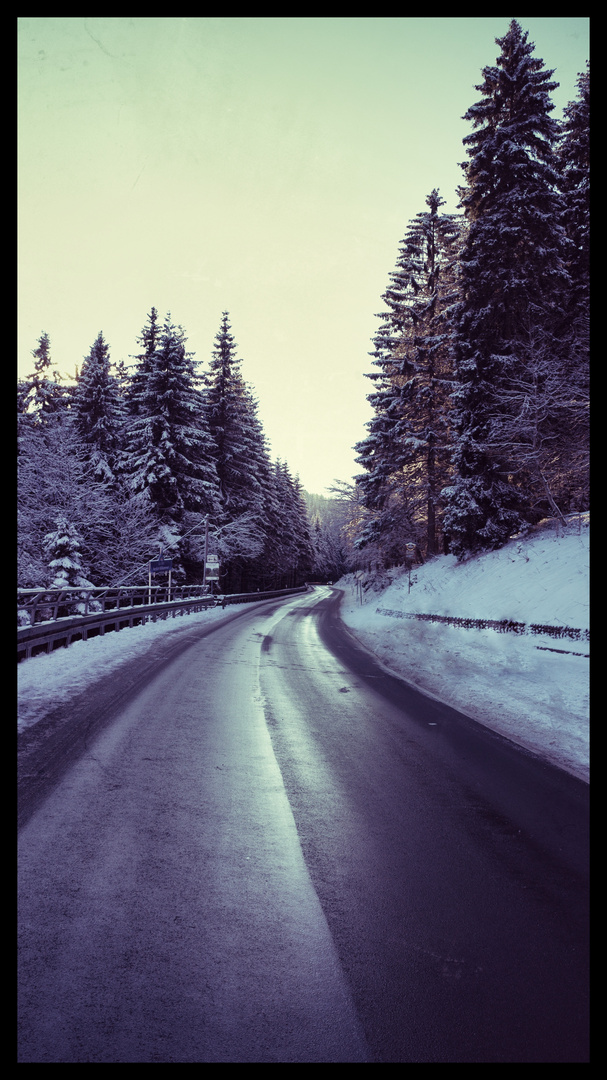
(232, 420)
(572, 464)
(97, 410)
(136, 385)
(574, 177)
(294, 546)
(169, 454)
(406, 453)
(303, 537)
(330, 556)
(40, 395)
(63, 547)
(240, 453)
(513, 260)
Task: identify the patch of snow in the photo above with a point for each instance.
(515, 684)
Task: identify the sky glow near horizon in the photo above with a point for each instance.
(267, 167)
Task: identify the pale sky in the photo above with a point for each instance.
(268, 167)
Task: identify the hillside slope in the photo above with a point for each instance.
(531, 687)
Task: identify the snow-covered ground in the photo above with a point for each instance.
(514, 683)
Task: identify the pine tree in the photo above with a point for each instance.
(512, 259)
(169, 453)
(40, 394)
(303, 538)
(406, 454)
(231, 414)
(241, 457)
(293, 542)
(538, 421)
(136, 386)
(273, 560)
(574, 175)
(572, 464)
(97, 409)
(63, 546)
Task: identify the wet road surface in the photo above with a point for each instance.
(275, 851)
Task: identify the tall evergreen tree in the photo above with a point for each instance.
(302, 532)
(136, 386)
(572, 464)
(406, 453)
(231, 414)
(97, 409)
(513, 258)
(574, 175)
(169, 453)
(41, 395)
(293, 547)
(241, 457)
(63, 546)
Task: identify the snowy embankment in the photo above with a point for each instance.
(531, 687)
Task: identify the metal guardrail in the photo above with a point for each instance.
(40, 605)
(112, 613)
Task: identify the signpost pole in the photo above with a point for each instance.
(159, 566)
(410, 558)
(206, 548)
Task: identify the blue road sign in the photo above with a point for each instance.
(161, 566)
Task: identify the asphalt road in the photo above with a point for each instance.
(262, 847)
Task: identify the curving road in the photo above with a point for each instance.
(262, 847)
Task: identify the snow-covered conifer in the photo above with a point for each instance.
(63, 549)
(292, 542)
(571, 472)
(169, 455)
(97, 409)
(55, 480)
(231, 415)
(135, 388)
(41, 395)
(406, 454)
(574, 174)
(169, 450)
(240, 451)
(513, 257)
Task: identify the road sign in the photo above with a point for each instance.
(161, 566)
(212, 568)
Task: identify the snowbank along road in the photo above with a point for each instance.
(265, 848)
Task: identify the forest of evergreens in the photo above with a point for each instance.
(129, 461)
(481, 381)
